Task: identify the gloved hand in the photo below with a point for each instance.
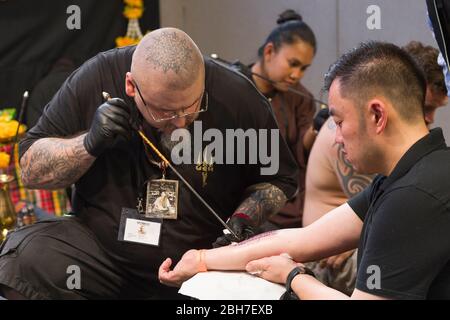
(320, 119)
(241, 226)
(111, 120)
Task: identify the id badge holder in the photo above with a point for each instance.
(137, 228)
(162, 199)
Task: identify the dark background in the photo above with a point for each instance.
(34, 35)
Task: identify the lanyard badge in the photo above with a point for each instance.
(162, 197)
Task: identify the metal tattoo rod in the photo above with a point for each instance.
(20, 115)
(19, 121)
(107, 96)
(216, 57)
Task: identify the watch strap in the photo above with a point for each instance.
(295, 272)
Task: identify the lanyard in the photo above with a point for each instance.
(140, 162)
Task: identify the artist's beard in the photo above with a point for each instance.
(166, 143)
(167, 131)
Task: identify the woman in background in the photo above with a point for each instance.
(284, 57)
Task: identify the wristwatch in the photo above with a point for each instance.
(295, 272)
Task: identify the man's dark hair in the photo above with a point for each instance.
(379, 68)
(426, 58)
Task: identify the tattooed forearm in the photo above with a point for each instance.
(264, 200)
(52, 163)
(351, 182)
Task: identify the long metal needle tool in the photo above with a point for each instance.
(107, 96)
(20, 115)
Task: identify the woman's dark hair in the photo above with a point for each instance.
(291, 29)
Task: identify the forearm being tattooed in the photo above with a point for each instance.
(257, 238)
(52, 163)
(264, 200)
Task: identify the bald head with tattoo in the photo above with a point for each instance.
(167, 77)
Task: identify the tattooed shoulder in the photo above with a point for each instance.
(351, 182)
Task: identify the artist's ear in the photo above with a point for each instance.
(130, 89)
(378, 114)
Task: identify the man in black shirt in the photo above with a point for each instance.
(159, 86)
(399, 223)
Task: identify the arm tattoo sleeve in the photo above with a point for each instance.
(52, 163)
(264, 200)
(351, 182)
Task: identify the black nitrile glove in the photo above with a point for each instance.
(111, 120)
(320, 119)
(243, 229)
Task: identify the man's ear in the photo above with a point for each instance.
(377, 114)
(130, 90)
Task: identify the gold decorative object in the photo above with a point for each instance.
(204, 166)
(7, 212)
(133, 11)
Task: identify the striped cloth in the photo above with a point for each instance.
(53, 201)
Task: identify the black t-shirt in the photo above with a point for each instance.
(112, 181)
(404, 249)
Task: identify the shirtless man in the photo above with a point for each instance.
(331, 180)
